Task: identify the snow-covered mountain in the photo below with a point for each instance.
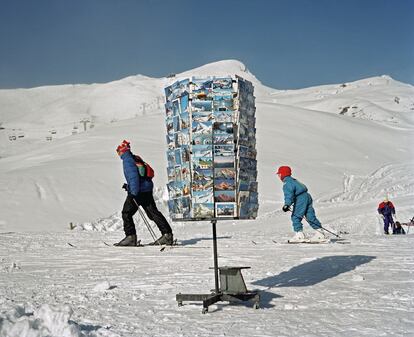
(57, 143)
(379, 99)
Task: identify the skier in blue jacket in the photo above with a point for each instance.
(139, 188)
(296, 194)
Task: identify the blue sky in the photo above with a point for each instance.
(286, 44)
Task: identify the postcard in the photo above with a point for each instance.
(184, 104)
(176, 107)
(223, 84)
(174, 190)
(223, 96)
(222, 139)
(224, 162)
(243, 151)
(228, 173)
(224, 184)
(243, 131)
(185, 154)
(203, 197)
(254, 198)
(248, 210)
(224, 196)
(177, 154)
(202, 127)
(225, 209)
(253, 186)
(177, 173)
(224, 105)
(183, 88)
(223, 116)
(183, 137)
(185, 187)
(169, 92)
(202, 138)
(201, 83)
(243, 185)
(171, 173)
(203, 95)
(171, 157)
(202, 116)
(223, 128)
(170, 140)
(202, 162)
(243, 211)
(185, 121)
(185, 172)
(170, 125)
(203, 210)
(168, 109)
(223, 150)
(202, 185)
(176, 123)
(202, 151)
(243, 196)
(200, 105)
(199, 174)
(178, 89)
(177, 208)
(248, 164)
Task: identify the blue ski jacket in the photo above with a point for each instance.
(135, 182)
(292, 188)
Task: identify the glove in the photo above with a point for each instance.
(285, 208)
(125, 187)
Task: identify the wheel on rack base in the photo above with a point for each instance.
(256, 305)
(204, 311)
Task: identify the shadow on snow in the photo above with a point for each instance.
(315, 271)
(195, 240)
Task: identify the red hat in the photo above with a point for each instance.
(284, 171)
(123, 147)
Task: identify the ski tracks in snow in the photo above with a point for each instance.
(306, 290)
(392, 180)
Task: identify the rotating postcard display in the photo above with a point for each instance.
(211, 137)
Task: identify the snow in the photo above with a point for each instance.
(61, 282)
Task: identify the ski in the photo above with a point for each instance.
(161, 247)
(308, 242)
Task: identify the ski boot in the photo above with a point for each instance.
(298, 238)
(319, 236)
(129, 240)
(165, 239)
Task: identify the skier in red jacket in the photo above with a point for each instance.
(387, 209)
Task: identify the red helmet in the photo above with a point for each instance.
(123, 147)
(284, 171)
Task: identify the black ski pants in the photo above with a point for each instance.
(146, 201)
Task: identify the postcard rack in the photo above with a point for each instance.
(211, 148)
(231, 287)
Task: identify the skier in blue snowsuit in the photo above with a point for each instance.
(296, 194)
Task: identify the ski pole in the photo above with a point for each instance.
(320, 226)
(150, 230)
(147, 224)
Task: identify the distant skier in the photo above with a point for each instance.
(296, 194)
(139, 188)
(387, 209)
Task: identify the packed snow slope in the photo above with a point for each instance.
(61, 282)
(75, 175)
